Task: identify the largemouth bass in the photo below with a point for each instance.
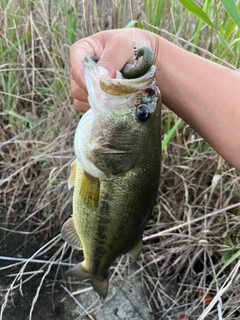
(116, 171)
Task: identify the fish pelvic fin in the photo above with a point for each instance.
(100, 285)
(89, 190)
(72, 177)
(69, 234)
(78, 271)
(136, 250)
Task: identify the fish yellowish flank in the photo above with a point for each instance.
(116, 171)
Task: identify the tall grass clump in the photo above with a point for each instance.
(191, 243)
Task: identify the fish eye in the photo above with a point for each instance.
(143, 112)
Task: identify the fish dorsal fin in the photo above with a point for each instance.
(72, 177)
(89, 190)
(70, 235)
(136, 250)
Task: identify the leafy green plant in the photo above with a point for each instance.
(224, 18)
(72, 24)
(231, 250)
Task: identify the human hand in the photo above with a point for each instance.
(114, 48)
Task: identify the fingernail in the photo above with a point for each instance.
(103, 70)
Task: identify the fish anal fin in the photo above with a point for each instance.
(136, 250)
(72, 177)
(100, 285)
(89, 190)
(70, 235)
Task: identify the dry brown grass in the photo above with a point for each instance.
(197, 217)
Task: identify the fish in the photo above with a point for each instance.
(116, 171)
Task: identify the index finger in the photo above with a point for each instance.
(78, 51)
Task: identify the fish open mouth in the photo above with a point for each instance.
(110, 99)
(115, 86)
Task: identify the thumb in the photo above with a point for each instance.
(116, 54)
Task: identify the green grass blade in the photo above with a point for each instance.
(199, 27)
(197, 11)
(149, 10)
(170, 134)
(229, 29)
(19, 117)
(72, 25)
(232, 10)
(159, 8)
(131, 24)
(225, 43)
(230, 260)
(140, 25)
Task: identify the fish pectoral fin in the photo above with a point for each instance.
(89, 190)
(136, 250)
(70, 235)
(100, 285)
(72, 177)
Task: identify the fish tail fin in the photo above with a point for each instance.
(100, 285)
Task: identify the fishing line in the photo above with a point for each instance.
(135, 50)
